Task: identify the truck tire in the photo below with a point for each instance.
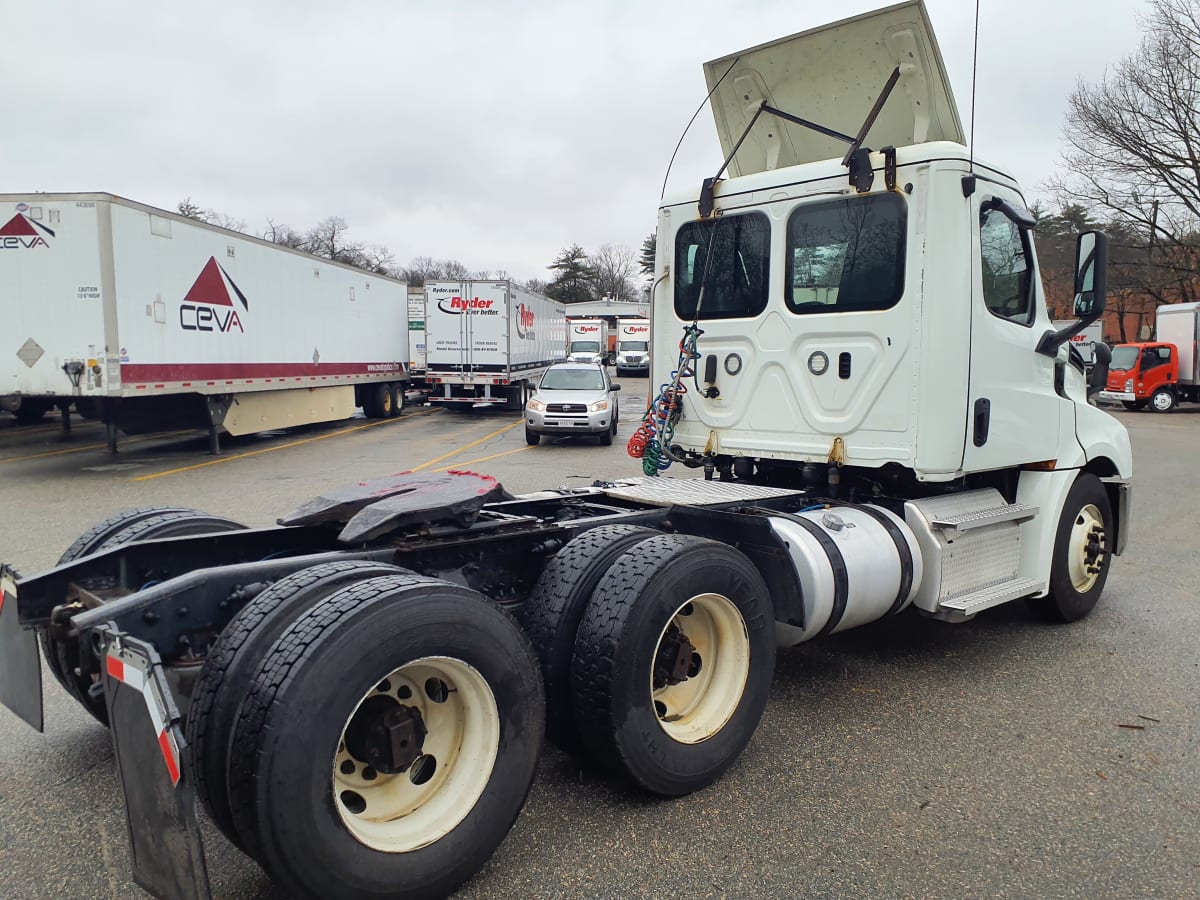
(30, 412)
(434, 685)
(551, 614)
(377, 401)
(1134, 405)
(398, 399)
(62, 659)
(1163, 400)
(1081, 553)
(673, 662)
(233, 660)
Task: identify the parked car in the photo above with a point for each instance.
(573, 398)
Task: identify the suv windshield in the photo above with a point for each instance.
(1124, 358)
(573, 380)
(585, 346)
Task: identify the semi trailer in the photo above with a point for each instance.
(488, 342)
(357, 695)
(150, 320)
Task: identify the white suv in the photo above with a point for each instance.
(573, 398)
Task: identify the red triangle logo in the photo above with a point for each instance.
(209, 287)
(18, 226)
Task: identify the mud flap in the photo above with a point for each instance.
(160, 802)
(20, 668)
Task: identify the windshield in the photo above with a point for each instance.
(573, 380)
(1124, 358)
(585, 346)
(627, 346)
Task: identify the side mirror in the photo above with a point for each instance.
(1091, 269)
(616, 387)
(1091, 290)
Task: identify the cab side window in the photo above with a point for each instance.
(1155, 356)
(1007, 268)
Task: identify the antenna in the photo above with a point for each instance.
(974, 67)
(689, 125)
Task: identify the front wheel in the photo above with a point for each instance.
(1134, 405)
(1163, 400)
(1082, 553)
(532, 438)
(673, 662)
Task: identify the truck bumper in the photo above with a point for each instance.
(1117, 395)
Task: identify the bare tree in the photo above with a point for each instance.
(426, 268)
(1134, 156)
(614, 267)
(210, 216)
(285, 235)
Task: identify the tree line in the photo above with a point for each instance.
(577, 275)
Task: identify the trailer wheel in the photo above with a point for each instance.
(398, 398)
(1134, 405)
(62, 659)
(30, 412)
(1163, 400)
(1081, 553)
(389, 740)
(673, 662)
(551, 614)
(377, 401)
(233, 660)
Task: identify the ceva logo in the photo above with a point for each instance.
(201, 308)
(524, 321)
(456, 306)
(22, 233)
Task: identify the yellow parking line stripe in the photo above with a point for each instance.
(471, 462)
(486, 437)
(249, 453)
(149, 437)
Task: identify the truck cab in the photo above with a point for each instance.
(1143, 374)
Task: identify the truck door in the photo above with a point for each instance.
(1013, 409)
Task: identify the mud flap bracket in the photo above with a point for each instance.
(20, 668)
(160, 802)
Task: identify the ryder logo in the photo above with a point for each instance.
(208, 306)
(456, 306)
(524, 322)
(23, 233)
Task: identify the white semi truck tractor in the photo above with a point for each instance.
(855, 351)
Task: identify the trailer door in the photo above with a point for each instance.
(486, 321)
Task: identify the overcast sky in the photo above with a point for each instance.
(495, 133)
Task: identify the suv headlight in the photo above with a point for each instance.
(599, 406)
(537, 405)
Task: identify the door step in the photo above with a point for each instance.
(967, 605)
(1012, 512)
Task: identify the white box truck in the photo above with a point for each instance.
(488, 342)
(366, 715)
(587, 340)
(150, 320)
(633, 346)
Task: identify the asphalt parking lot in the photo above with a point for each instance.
(998, 758)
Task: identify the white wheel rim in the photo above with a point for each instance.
(699, 706)
(1084, 561)
(396, 814)
(1162, 401)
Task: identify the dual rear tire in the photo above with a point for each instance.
(383, 401)
(672, 653)
(364, 731)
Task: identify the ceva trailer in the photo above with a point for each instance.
(151, 320)
(488, 342)
(358, 695)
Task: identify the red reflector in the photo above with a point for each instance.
(115, 667)
(168, 752)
